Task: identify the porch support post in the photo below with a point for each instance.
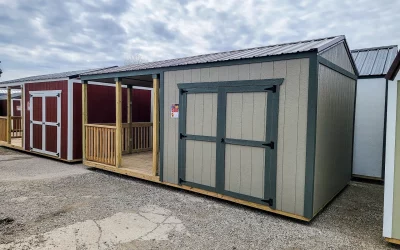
(84, 117)
(129, 118)
(118, 122)
(22, 105)
(8, 115)
(156, 124)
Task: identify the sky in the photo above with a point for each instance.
(49, 36)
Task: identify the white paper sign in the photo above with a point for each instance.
(175, 111)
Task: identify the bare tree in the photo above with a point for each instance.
(134, 59)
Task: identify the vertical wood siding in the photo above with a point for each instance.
(55, 85)
(334, 136)
(201, 156)
(339, 56)
(292, 121)
(246, 120)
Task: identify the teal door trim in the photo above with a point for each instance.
(270, 144)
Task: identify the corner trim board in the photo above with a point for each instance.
(311, 137)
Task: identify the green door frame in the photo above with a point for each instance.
(223, 88)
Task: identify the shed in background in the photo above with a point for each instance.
(371, 101)
(50, 118)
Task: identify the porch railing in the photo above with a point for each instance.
(100, 140)
(16, 127)
(3, 128)
(100, 143)
(141, 137)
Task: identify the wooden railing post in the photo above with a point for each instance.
(156, 112)
(118, 122)
(84, 118)
(129, 118)
(8, 115)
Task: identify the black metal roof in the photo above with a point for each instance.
(374, 61)
(271, 50)
(68, 74)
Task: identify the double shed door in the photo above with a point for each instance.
(45, 122)
(228, 134)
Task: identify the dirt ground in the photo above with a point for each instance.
(47, 204)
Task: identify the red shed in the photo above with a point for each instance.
(48, 121)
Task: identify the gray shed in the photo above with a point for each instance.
(268, 127)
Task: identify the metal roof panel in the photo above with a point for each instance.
(280, 49)
(374, 61)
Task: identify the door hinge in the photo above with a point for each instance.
(271, 145)
(183, 91)
(181, 136)
(273, 89)
(270, 202)
(58, 95)
(181, 180)
(58, 124)
(58, 154)
(222, 140)
(31, 121)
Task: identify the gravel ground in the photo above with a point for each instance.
(47, 204)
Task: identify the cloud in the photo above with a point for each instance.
(51, 36)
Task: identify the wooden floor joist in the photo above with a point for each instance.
(156, 179)
(393, 241)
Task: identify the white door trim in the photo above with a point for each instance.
(43, 95)
(70, 119)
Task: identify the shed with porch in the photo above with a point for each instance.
(268, 127)
(49, 122)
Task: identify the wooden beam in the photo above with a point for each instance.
(156, 123)
(129, 118)
(118, 122)
(84, 117)
(9, 115)
(22, 105)
(393, 241)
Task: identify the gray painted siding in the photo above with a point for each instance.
(369, 127)
(246, 120)
(201, 120)
(339, 56)
(292, 121)
(333, 155)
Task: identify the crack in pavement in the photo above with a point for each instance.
(100, 233)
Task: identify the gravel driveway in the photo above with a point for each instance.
(47, 204)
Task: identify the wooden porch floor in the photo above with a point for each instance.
(139, 162)
(17, 142)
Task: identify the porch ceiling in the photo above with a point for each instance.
(140, 81)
